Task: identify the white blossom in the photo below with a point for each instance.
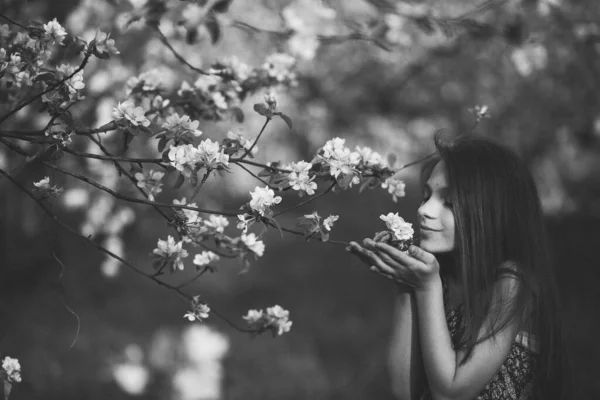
(402, 229)
(279, 67)
(262, 199)
(75, 83)
(252, 242)
(278, 319)
(12, 368)
(149, 81)
(151, 181)
(395, 187)
(43, 184)
(253, 316)
(205, 258)
(198, 312)
(328, 222)
(217, 222)
(369, 157)
(300, 179)
(181, 125)
(128, 111)
(54, 32)
(171, 251)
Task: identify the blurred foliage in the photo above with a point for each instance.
(533, 62)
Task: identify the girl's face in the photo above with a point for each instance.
(436, 216)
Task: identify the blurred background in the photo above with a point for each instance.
(535, 63)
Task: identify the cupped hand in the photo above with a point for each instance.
(416, 268)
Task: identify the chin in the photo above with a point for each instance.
(435, 248)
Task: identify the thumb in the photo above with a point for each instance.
(420, 254)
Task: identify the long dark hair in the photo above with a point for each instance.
(499, 222)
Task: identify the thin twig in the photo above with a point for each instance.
(32, 99)
(256, 176)
(329, 189)
(13, 22)
(254, 143)
(133, 199)
(178, 56)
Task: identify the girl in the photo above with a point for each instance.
(477, 308)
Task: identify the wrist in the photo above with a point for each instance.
(433, 284)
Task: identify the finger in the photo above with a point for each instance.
(380, 235)
(373, 259)
(397, 255)
(421, 255)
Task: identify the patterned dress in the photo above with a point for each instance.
(513, 380)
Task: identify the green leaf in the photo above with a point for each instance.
(391, 159)
(262, 109)
(213, 27)
(179, 181)
(277, 226)
(287, 120)
(238, 114)
(162, 143)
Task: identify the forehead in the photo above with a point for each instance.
(438, 179)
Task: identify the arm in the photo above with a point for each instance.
(446, 379)
(405, 361)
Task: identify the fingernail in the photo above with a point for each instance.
(373, 269)
(348, 248)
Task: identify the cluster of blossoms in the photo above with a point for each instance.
(275, 319)
(46, 190)
(480, 112)
(401, 229)
(394, 187)
(126, 114)
(205, 258)
(188, 159)
(151, 181)
(300, 179)
(11, 369)
(179, 129)
(169, 254)
(194, 228)
(262, 199)
(314, 226)
(251, 241)
(341, 161)
(199, 311)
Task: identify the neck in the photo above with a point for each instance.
(448, 265)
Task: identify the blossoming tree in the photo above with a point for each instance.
(35, 78)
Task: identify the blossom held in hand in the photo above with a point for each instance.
(12, 368)
(402, 230)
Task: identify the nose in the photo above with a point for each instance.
(427, 210)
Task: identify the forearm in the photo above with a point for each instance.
(439, 358)
(406, 364)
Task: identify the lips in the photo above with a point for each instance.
(426, 228)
